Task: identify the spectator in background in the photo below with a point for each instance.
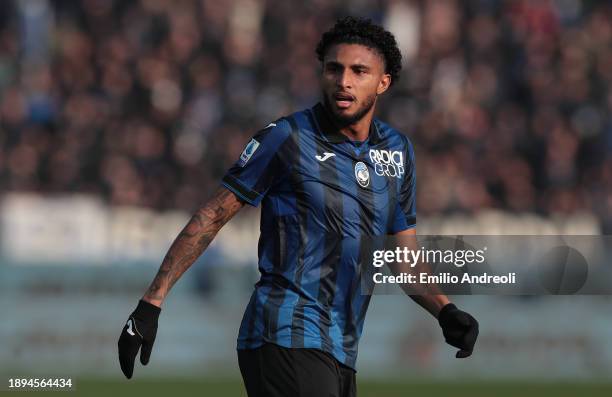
(507, 103)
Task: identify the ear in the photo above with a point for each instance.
(384, 83)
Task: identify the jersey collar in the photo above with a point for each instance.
(327, 128)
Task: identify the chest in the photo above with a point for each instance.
(348, 186)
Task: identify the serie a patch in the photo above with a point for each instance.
(248, 151)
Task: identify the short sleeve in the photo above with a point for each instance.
(257, 168)
(405, 213)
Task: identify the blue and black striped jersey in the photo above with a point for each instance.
(321, 196)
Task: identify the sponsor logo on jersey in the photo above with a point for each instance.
(362, 174)
(248, 151)
(387, 162)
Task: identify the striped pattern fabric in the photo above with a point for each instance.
(322, 197)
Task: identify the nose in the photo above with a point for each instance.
(343, 79)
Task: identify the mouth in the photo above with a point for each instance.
(343, 100)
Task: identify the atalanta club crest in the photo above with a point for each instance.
(362, 174)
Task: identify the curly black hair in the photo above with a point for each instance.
(353, 30)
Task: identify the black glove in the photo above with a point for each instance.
(140, 329)
(459, 328)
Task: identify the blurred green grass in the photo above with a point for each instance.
(223, 387)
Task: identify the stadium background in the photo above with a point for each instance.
(118, 118)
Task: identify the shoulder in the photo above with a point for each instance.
(395, 139)
(278, 130)
(302, 120)
(290, 123)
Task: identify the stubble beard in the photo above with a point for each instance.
(346, 120)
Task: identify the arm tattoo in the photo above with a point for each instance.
(192, 241)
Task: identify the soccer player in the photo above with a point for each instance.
(328, 178)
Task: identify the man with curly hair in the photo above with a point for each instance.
(329, 178)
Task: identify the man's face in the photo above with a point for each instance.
(353, 76)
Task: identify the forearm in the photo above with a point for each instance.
(191, 243)
(183, 252)
(432, 303)
(429, 296)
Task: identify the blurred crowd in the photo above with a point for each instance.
(508, 103)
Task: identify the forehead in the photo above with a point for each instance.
(350, 54)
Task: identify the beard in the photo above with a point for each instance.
(343, 120)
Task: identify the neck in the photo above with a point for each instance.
(359, 130)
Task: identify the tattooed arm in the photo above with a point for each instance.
(191, 242)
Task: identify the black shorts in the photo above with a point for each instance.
(275, 371)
